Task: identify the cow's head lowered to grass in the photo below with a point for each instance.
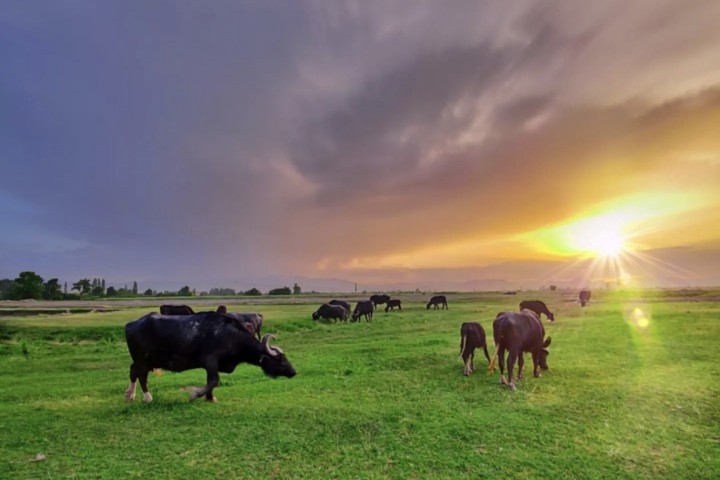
(273, 361)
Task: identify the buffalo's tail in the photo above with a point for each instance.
(493, 362)
(486, 353)
(463, 344)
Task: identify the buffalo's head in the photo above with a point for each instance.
(315, 315)
(550, 316)
(273, 360)
(544, 352)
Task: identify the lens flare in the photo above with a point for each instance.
(639, 317)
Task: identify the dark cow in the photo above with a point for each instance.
(379, 299)
(538, 307)
(331, 312)
(342, 303)
(391, 304)
(472, 336)
(519, 332)
(251, 321)
(584, 297)
(211, 341)
(437, 300)
(363, 307)
(175, 310)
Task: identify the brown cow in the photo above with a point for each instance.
(584, 297)
(472, 336)
(519, 332)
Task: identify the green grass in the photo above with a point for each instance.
(385, 399)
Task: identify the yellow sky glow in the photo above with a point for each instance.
(624, 224)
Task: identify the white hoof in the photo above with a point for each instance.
(147, 398)
(197, 393)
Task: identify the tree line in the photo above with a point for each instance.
(30, 285)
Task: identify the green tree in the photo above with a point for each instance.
(28, 285)
(280, 291)
(82, 286)
(253, 291)
(296, 289)
(135, 288)
(53, 290)
(184, 291)
(97, 291)
(6, 288)
(148, 292)
(111, 292)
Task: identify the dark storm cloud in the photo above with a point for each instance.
(380, 133)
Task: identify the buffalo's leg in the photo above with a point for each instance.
(130, 393)
(472, 362)
(501, 362)
(142, 374)
(536, 364)
(512, 358)
(521, 364)
(213, 379)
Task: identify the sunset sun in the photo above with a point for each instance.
(599, 236)
(607, 243)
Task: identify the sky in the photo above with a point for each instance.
(408, 144)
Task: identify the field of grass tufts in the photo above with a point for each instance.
(632, 392)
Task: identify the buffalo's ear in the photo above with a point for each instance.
(547, 342)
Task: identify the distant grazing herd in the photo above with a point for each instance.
(178, 339)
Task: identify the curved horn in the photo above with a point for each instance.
(266, 341)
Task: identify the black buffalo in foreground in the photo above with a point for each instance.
(211, 341)
(175, 310)
(518, 332)
(392, 304)
(342, 303)
(472, 336)
(437, 300)
(584, 297)
(379, 299)
(363, 307)
(331, 312)
(538, 307)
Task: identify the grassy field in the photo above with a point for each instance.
(632, 392)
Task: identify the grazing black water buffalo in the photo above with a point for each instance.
(331, 312)
(363, 307)
(209, 340)
(251, 321)
(472, 336)
(584, 297)
(437, 300)
(391, 304)
(538, 307)
(519, 332)
(379, 299)
(175, 310)
(342, 303)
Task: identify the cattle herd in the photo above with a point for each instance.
(178, 339)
